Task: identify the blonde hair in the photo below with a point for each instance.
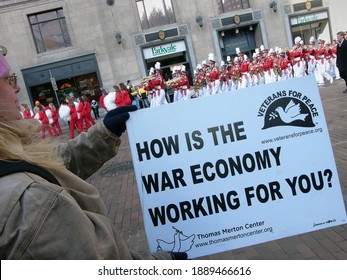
(19, 140)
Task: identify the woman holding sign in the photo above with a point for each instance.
(47, 210)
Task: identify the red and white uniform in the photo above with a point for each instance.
(214, 81)
(158, 93)
(297, 61)
(323, 63)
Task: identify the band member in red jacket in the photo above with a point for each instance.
(42, 117)
(55, 124)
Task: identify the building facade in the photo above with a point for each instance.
(61, 46)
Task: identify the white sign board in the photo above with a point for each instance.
(232, 170)
(164, 49)
(54, 84)
(308, 18)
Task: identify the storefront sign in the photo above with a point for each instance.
(233, 170)
(308, 18)
(165, 49)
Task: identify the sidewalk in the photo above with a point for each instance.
(117, 185)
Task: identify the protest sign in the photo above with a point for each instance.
(231, 170)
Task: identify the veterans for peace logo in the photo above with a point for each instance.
(287, 108)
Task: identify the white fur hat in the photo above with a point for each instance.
(183, 68)
(312, 39)
(157, 65)
(222, 63)
(151, 71)
(211, 56)
(228, 58)
(262, 47)
(238, 50)
(297, 40)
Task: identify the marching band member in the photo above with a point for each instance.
(229, 73)
(214, 75)
(323, 64)
(310, 58)
(235, 74)
(270, 75)
(206, 73)
(148, 87)
(174, 86)
(260, 64)
(296, 58)
(183, 84)
(199, 80)
(253, 71)
(284, 65)
(157, 85)
(224, 77)
(243, 70)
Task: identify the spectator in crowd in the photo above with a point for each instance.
(95, 107)
(341, 56)
(27, 112)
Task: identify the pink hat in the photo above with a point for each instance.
(4, 67)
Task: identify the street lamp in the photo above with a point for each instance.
(273, 5)
(118, 37)
(199, 20)
(110, 2)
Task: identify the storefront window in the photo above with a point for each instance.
(154, 13)
(243, 39)
(44, 93)
(87, 84)
(225, 6)
(49, 30)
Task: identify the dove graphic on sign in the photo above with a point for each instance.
(180, 243)
(288, 111)
(291, 113)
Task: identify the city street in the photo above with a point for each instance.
(117, 185)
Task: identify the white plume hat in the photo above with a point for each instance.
(297, 40)
(211, 56)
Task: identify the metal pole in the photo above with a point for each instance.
(55, 91)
